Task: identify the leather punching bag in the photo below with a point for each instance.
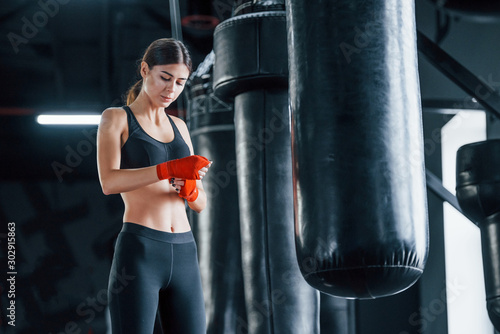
(251, 66)
(359, 185)
(478, 193)
(217, 228)
(336, 315)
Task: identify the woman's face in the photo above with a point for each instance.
(164, 83)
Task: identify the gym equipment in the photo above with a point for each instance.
(217, 228)
(358, 166)
(251, 66)
(478, 193)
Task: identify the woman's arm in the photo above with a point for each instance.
(109, 142)
(201, 201)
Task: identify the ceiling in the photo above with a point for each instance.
(81, 54)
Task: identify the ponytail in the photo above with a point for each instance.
(134, 91)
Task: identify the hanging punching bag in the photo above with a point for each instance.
(251, 66)
(478, 193)
(217, 228)
(336, 315)
(359, 187)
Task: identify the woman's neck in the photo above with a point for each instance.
(143, 106)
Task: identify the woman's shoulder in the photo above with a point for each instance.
(114, 117)
(114, 112)
(179, 122)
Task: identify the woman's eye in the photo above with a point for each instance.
(165, 79)
(180, 84)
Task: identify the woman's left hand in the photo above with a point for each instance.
(202, 172)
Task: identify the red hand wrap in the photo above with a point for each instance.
(185, 168)
(189, 190)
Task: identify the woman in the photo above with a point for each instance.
(147, 156)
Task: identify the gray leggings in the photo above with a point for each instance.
(155, 271)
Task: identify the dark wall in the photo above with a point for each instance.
(64, 234)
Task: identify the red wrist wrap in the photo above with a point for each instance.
(161, 171)
(189, 191)
(186, 168)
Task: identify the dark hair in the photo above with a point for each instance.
(163, 51)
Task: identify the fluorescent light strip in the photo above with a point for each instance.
(68, 119)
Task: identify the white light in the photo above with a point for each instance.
(69, 119)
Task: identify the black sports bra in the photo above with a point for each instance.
(142, 150)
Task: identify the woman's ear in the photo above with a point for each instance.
(144, 69)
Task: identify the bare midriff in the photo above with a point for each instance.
(157, 206)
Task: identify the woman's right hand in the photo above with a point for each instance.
(184, 168)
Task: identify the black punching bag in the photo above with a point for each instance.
(359, 187)
(217, 228)
(336, 315)
(251, 66)
(478, 193)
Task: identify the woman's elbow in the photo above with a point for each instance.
(108, 188)
(106, 191)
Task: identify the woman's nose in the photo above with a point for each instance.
(170, 87)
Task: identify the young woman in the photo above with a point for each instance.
(147, 156)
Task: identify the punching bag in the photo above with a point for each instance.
(358, 166)
(251, 66)
(478, 193)
(217, 228)
(336, 315)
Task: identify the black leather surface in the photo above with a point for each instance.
(478, 193)
(217, 228)
(278, 299)
(252, 6)
(360, 203)
(250, 52)
(335, 315)
(251, 66)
